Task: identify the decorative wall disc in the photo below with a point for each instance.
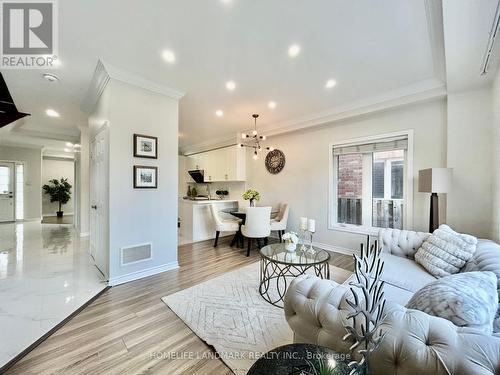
(275, 161)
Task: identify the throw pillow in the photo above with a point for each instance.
(466, 299)
(445, 251)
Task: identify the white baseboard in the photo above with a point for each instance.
(32, 219)
(142, 273)
(336, 249)
(53, 215)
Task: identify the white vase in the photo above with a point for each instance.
(290, 247)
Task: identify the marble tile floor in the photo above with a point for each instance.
(46, 274)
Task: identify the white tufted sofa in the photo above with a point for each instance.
(415, 342)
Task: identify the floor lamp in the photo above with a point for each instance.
(434, 181)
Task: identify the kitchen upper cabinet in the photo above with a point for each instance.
(225, 164)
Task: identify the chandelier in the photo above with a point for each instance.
(254, 140)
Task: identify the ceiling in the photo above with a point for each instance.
(367, 47)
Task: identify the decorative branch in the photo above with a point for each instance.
(368, 306)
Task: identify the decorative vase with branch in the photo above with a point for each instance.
(58, 191)
(251, 195)
(367, 306)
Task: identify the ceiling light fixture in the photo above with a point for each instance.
(294, 50)
(230, 85)
(271, 105)
(219, 113)
(52, 113)
(330, 83)
(69, 144)
(67, 150)
(50, 77)
(168, 56)
(255, 139)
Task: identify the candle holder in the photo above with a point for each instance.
(303, 239)
(311, 248)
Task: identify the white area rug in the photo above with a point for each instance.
(229, 314)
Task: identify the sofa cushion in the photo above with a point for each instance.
(445, 252)
(466, 299)
(404, 273)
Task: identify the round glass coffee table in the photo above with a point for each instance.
(277, 266)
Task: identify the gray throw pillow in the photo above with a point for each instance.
(466, 299)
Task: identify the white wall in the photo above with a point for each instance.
(138, 216)
(304, 181)
(470, 154)
(496, 157)
(32, 177)
(57, 168)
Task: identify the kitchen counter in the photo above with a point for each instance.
(196, 221)
(208, 201)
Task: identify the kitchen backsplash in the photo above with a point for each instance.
(235, 189)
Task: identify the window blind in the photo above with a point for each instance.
(370, 147)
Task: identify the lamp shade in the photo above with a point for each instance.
(434, 180)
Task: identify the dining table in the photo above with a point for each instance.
(240, 214)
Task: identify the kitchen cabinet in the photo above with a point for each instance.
(225, 164)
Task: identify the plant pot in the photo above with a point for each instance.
(290, 247)
(60, 213)
(252, 202)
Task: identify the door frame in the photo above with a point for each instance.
(16, 163)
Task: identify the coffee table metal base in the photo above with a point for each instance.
(277, 274)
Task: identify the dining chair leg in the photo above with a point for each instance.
(266, 241)
(249, 240)
(216, 238)
(259, 243)
(279, 235)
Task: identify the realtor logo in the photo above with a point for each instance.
(29, 34)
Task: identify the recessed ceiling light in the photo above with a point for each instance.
(76, 145)
(219, 113)
(168, 56)
(330, 83)
(50, 77)
(230, 85)
(226, 1)
(67, 150)
(52, 113)
(294, 50)
(69, 144)
(271, 105)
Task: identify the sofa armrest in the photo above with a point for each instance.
(415, 343)
(315, 310)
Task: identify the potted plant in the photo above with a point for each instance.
(252, 195)
(59, 191)
(291, 240)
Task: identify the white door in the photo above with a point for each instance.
(99, 172)
(7, 199)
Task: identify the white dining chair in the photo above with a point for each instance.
(280, 221)
(257, 225)
(222, 225)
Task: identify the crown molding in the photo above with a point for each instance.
(223, 141)
(105, 72)
(428, 90)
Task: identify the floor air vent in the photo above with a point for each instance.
(136, 253)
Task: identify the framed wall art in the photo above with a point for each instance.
(145, 177)
(145, 146)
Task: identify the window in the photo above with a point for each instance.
(369, 184)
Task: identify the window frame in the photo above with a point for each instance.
(367, 184)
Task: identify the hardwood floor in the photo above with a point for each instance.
(129, 329)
